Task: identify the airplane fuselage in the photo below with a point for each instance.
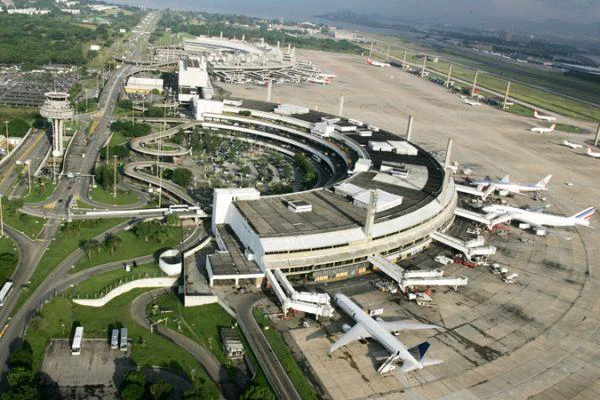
(537, 218)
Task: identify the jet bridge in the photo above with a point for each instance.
(407, 279)
(473, 191)
(462, 246)
(488, 220)
(318, 304)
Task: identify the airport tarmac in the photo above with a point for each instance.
(538, 338)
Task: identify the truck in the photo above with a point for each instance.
(442, 259)
(375, 311)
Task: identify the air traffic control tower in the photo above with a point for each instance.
(57, 108)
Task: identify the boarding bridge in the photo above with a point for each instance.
(473, 191)
(461, 246)
(318, 304)
(407, 279)
(488, 220)
(453, 282)
(389, 268)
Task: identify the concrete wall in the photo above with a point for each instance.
(199, 300)
(126, 287)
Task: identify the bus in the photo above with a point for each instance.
(5, 291)
(114, 339)
(77, 338)
(123, 346)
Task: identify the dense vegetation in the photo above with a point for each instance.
(213, 24)
(34, 40)
(129, 129)
(309, 172)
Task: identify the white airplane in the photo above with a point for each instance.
(367, 327)
(472, 103)
(591, 153)
(377, 63)
(320, 80)
(543, 117)
(541, 129)
(571, 145)
(504, 186)
(537, 219)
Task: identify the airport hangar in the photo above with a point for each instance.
(328, 232)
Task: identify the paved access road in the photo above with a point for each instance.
(276, 374)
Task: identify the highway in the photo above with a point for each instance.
(274, 371)
(34, 148)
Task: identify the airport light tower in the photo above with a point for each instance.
(57, 108)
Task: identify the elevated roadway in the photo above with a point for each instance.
(132, 170)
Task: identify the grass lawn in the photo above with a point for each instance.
(39, 191)
(123, 198)
(282, 351)
(9, 257)
(58, 317)
(9, 113)
(204, 323)
(29, 225)
(102, 282)
(569, 128)
(63, 244)
(118, 139)
(520, 110)
(131, 247)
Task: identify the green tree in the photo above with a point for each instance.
(161, 390)
(182, 177)
(203, 390)
(172, 219)
(22, 357)
(21, 393)
(132, 391)
(257, 392)
(20, 376)
(136, 377)
(112, 243)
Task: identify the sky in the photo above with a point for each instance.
(429, 11)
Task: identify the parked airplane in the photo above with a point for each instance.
(543, 117)
(472, 103)
(367, 327)
(571, 145)
(319, 80)
(541, 129)
(591, 153)
(504, 186)
(537, 219)
(377, 63)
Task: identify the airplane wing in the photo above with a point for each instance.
(356, 333)
(394, 326)
(544, 228)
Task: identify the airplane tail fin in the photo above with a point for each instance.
(418, 352)
(585, 215)
(553, 126)
(505, 179)
(535, 113)
(544, 182)
(369, 61)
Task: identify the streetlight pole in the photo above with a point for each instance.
(7, 149)
(115, 178)
(28, 163)
(1, 218)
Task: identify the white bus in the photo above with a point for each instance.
(114, 339)
(123, 346)
(77, 338)
(5, 291)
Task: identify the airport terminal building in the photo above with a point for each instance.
(387, 199)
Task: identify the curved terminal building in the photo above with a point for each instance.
(378, 194)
